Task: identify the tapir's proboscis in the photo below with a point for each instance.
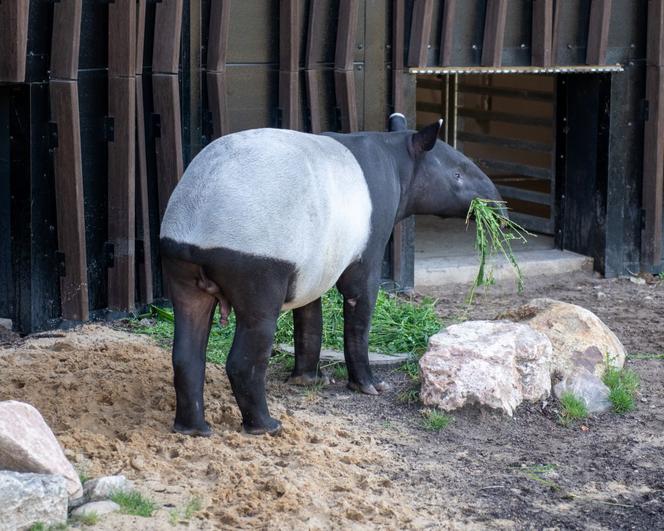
(268, 220)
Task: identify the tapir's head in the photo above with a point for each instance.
(442, 180)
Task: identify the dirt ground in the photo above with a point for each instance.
(352, 461)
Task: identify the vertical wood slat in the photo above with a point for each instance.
(542, 33)
(167, 33)
(447, 33)
(398, 45)
(557, 29)
(311, 74)
(344, 75)
(289, 59)
(13, 39)
(140, 35)
(122, 192)
(420, 32)
(653, 145)
(598, 32)
(122, 38)
(68, 173)
(216, 65)
(65, 40)
(494, 32)
(168, 144)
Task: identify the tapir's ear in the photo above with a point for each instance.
(425, 139)
(398, 122)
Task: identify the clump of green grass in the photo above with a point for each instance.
(134, 503)
(541, 473)
(339, 371)
(41, 526)
(88, 519)
(435, 420)
(572, 408)
(646, 356)
(398, 326)
(193, 506)
(410, 396)
(622, 384)
(494, 235)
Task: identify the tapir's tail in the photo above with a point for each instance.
(212, 288)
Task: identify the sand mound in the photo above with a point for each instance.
(108, 397)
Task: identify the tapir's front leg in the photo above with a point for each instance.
(359, 287)
(308, 324)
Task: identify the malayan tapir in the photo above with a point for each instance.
(268, 220)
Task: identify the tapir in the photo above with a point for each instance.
(268, 220)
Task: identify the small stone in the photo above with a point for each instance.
(27, 444)
(137, 462)
(102, 488)
(587, 387)
(637, 280)
(27, 499)
(97, 507)
(601, 295)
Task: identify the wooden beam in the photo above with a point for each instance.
(398, 51)
(542, 32)
(13, 39)
(494, 32)
(420, 32)
(216, 83)
(311, 72)
(168, 141)
(122, 38)
(220, 17)
(344, 86)
(167, 32)
(344, 74)
(289, 63)
(140, 34)
(65, 39)
(598, 32)
(68, 175)
(447, 33)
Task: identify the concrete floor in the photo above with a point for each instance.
(445, 254)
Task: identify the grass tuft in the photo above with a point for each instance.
(88, 519)
(494, 236)
(435, 420)
(134, 503)
(193, 506)
(572, 408)
(623, 384)
(410, 396)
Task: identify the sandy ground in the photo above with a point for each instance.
(351, 461)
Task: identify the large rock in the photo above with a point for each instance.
(27, 444)
(587, 387)
(578, 336)
(27, 499)
(493, 363)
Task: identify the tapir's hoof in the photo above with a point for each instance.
(203, 431)
(368, 389)
(273, 428)
(308, 379)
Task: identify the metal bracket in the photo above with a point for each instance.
(109, 129)
(61, 263)
(109, 254)
(52, 135)
(156, 125)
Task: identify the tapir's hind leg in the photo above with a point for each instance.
(193, 308)
(308, 324)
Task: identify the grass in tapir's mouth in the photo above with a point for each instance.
(494, 236)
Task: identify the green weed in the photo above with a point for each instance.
(340, 372)
(623, 384)
(539, 474)
(41, 526)
(412, 369)
(88, 519)
(411, 396)
(193, 506)
(434, 420)
(134, 503)
(572, 408)
(645, 356)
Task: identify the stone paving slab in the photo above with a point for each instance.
(375, 358)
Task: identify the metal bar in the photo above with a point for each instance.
(494, 32)
(447, 32)
(13, 39)
(542, 33)
(598, 32)
(540, 198)
(420, 32)
(167, 32)
(496, 116)
(535, 95)
(65, 40)
(289, 59)
(514, 168)
(510, 143)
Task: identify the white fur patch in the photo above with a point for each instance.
(278, 194)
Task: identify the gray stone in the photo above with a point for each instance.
(102, 488)
(586, 386)
(97, 507)
(492, 363)
(6, 323)
(27, 444)
(375, 358)
(26, 499)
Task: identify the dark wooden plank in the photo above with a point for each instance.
(447, 33)
(542, 39)
(377, 78)
(505, 142)
(122, 192)
(122, 38)
(598, 32)
(494, 32)
(655, 36)
(525, 195)
(398, 52)
(505, 117)
(344, 85)
(313, 90)
(346, 33)
(65, 39)
(168, 145)
(140, 34)
(167, 32)
(420, 32)
(289, 62)
(514, 168)
(312, 51)
(67, 165)
(535, 95)
(220, 16)
(144, 262)
(217, 102)
(13, 39)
